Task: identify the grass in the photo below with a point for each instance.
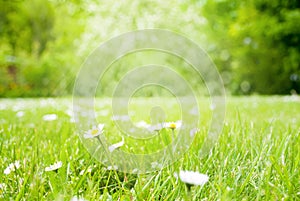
(257, 156)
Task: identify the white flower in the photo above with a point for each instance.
(212, 107)
(194, 111)
(120, 118)
(7, 170)
(135, 171)
(94, 132)
(228, 188)
(115, 167)
(106, 197)
(111, 148)
(12, 167)
(75, 198)
(3, 186)
(17, 164)
(55, 166)
(20, 114)
(156, 127)
(174, 125)
(3, 106)
(142, 124)
(89, 170)
(103, 113)
(49, 117)
(156, 165)
(194, 131)
(193, 178)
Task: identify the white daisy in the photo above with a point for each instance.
(194, 131)
(193, 178)
(115, 167)
(75, 198)
(7, 170)
(94, 132)
(120, 118)
(12, 167)
(111, 148)
(174, 125)
(156, 127)
(49, 117)
(142, 124)
(102, 113)
(194, 111)
(3, 186)
(155, 165)
(89, 170)
(55, 166)
(135, 171)
(20, 114)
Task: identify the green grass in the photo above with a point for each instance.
(257, 156)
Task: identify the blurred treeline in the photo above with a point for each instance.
(255, 43)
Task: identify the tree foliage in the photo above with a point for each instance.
(259, 45)
(255, 43)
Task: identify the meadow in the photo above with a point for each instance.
(256, 157)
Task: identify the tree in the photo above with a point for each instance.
(263, 40)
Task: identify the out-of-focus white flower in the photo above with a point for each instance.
(194, 111)
(102, 113)
(111, 148)
(3, 106)
(193, 178)
(174, 125)
(228, 188)
(194, 131)
(156, 127)
(115, 167)
(142, 124)
(155, 165)
(7, 170)
(72, 120)
(106, 197)
(12, 167)
(135, 171)
(20, 114)
(89, 170)
(120, 118)
(49, 117)
(53, 167)
(75, 198)
(94, 132)
(3, 186)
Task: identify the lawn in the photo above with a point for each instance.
(256, 157)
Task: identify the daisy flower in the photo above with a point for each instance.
(194, 131)
(49, 117)
(94, 132)
(12, 167)
(114, 167)
(174, 125)
(55, 166)
(156, 165)
(75, 198)
(156, 127)
(142, 124)
(2, 186)
(120, 118)
(20, 114)
(111, 148)
(193, 178)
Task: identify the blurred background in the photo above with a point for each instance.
(255, 44)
